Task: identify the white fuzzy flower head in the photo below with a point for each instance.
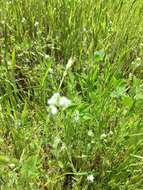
(90, 133)
(54, 99)
(53, 110)
(90, 178)
(103, 136)
(64, 102)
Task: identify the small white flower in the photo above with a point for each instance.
(93, 141)
(36, 23)
(90, 178)
(138, 59)
(130, 75)
(110, 23)
(64, 102)
(53, 110)
(23, 20)
(84, 29)
(110, 133)
(12, 165)
(47, 56)
(90, 133)
(103, 136)
(54, 99)
(83, 156)
(19, 123)
(51, 71)
(76, 116)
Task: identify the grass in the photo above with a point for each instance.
(100, 134)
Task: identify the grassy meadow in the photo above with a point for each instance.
(71, 95)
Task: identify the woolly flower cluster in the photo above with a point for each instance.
(58, 101)
(90, 178)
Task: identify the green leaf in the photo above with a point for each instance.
(127, 101)
(120, 91)
(99, 55)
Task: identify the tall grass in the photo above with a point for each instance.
(100, 134)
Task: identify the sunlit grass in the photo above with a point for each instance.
(91, 53)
